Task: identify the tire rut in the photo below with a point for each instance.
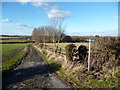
(33, 72)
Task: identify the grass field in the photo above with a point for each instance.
(63, 45)
(7, 65)
(12, 40)
(11, 53)
(9, 48)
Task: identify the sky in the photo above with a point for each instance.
(81, 18)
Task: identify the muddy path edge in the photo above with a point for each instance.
(57, 81)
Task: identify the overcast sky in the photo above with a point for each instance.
(81, 18)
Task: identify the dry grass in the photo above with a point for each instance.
(76, 74)
(62, 59)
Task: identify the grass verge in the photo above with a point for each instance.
(54, 66)
(78, 79)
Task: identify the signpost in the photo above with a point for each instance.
(89, 40)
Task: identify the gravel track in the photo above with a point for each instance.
(33, 72)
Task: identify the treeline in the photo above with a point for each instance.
(10, 36)
(3, 37)
(83, 38)
(75, 39)
(47, 34)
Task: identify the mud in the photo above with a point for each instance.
(33, 72)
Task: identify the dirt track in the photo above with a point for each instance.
(33, 72)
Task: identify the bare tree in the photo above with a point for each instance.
(41, 34)
(57, 31)
(35, 35)
(53, 33)
(44, 34)
(48, 34)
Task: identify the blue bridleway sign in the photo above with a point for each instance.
(89, 40)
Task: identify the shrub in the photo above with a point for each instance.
(97, 36)
(105, 53)
(82, 52)
(70, 51)
(41, 45)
